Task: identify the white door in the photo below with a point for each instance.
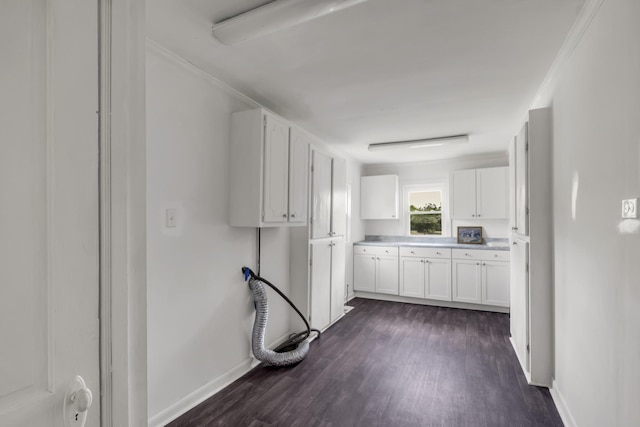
(412, 277)
(519, 297)
(438, 279)
(522, 182)
(387, 275)
(276, 170)
(463, 199)
(320, 195)
(49, 330)
(337, 279)
(298, 173)
(495, 283)
(339, 197)
(466, 281)
(321, 284)
(364, 273)
(492, 193)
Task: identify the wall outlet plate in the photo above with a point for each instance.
(630, 208)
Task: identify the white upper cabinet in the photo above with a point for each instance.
(328, 195)
(480, 193)
(269, 168)
(379, 197)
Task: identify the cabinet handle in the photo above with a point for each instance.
(427, 261)
(438, 253)
(413, 252)
(373, 258)
(484, 263)
(473, 216)
(293, 215)
(477, 263)
(466, 254)
(422, 261)
(514, 228)
(515, 243)
(284, 215)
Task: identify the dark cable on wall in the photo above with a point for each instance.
(258, 250)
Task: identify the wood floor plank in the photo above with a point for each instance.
(391, 364)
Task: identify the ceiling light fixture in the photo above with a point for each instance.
(419, 143)
(274, 16)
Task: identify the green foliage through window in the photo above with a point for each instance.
(425, 216)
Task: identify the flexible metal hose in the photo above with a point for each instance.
(261, 353)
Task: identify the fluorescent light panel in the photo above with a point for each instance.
(274, 16)
(419, 143)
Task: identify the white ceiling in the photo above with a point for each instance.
(385, 70)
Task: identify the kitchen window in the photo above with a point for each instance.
(425, 211)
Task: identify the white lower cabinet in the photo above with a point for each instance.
(481, 277)
(375, 269)
(474, 276)
(327, 282)
(425, 273)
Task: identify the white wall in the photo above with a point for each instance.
(200, 311)
(434, 171)
(596, 111)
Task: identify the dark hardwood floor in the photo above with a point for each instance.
(391, 364)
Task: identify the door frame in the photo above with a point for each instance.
(122, 195)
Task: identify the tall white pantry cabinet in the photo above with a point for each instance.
(318, 250)
(531, 293)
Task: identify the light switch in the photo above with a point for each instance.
(630, 208)
(171, 218)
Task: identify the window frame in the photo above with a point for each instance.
(442, 187)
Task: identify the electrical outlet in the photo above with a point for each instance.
(630, 208)
(171, 219)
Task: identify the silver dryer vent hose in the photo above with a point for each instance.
(261, 353)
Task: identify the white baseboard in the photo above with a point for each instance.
(198, 396)
(561, 404)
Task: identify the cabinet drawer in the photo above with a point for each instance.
(480, 254)
(375, 250)
(425, 252)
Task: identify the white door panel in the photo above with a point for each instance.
(466, 281)
(321, 195)
(298, 173)
(364, 273)
(320, 285)
(412, 277)
(337, 279)
(492, 192)
(495, 283)
(387, 275)
(49, 222)
(438, 280)
(339, 197)
(276, 170)
(522, 182)
(463, 199)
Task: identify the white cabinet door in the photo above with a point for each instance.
(522, 182)
(492, 193)
(412, 273)
(320, 304)
(519, 297)
(49, 292)
(512, 185)
(339, 197)
(298, 173)
(467, 281)
(276, 170)
(463, 185)
(387, 275)
(364, 273)
(379, 197)
(438, 279)
(337, 279)
(495, 283)
(321, 195)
